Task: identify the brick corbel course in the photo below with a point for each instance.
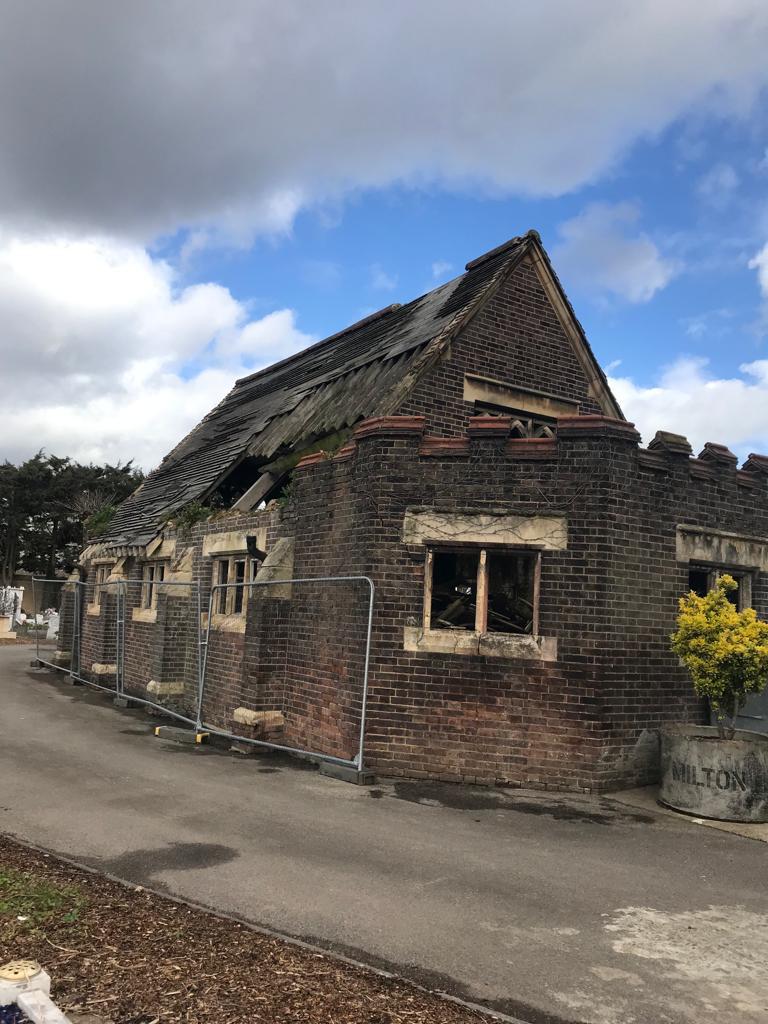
(756, 464)
(348, 451)
(754, 472)
(482, 427)
(312, 460)
(391, 426)
(719, 456)
(583, 427)
(668, 444)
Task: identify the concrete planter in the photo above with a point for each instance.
(713, 778)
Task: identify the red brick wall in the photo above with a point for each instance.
(515, 338)
(584, 721)
(587, 720)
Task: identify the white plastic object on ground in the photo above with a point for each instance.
(26, 984)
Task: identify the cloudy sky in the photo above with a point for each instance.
(191, 190)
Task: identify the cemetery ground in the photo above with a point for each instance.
(134, 957)
(546, 907)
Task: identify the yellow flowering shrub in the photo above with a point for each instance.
(725, 650)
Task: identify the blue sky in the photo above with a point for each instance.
(706, 217)
(187, 194)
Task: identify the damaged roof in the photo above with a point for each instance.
(362, 371)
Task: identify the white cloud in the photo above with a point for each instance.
(141, 118)
(760, 263)
(688, 400)
(441, 269)
(712, 322)
(718, 185)
(381, 280)
(603, 252)
(105, 357)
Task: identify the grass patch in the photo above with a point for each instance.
(37, 899)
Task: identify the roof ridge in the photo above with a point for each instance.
(509, 244)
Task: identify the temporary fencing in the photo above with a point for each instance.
(281, 664)
(306, 654)
(57, 606)
(161, 663)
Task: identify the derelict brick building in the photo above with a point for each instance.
(465, 452)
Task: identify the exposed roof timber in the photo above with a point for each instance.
(367, 369)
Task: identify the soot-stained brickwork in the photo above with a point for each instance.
(495, 432)
(589, 719)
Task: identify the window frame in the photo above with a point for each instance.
(103, 572)
(744, 577)
(233, 601)
(149, 580)
(481, 601)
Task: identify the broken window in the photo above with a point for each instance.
(151, 574)
(222, 579)
(702, 579)
(454, 590)
(232, 574)
(102, 575)
(482, 590)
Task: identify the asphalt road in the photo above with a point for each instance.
(545, 907)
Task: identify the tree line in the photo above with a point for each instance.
(50, 505)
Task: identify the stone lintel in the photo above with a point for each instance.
(721, 547)
(426, 526)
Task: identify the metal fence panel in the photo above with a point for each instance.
(285, 665)
(160, 663)
(57, 624)
(281, 664)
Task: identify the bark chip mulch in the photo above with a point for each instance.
(133, 957)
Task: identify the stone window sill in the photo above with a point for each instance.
(492, 645)
(93, 609)
(228, 623)
(144, 615)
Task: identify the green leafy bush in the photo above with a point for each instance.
(190, 515)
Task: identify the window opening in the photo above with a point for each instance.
(511, 586)
(150, 576)
(222, 579)
(233, 600)
(238, 594)
(454, 588)
(702, 579)
(102, 575)
(480, 590)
